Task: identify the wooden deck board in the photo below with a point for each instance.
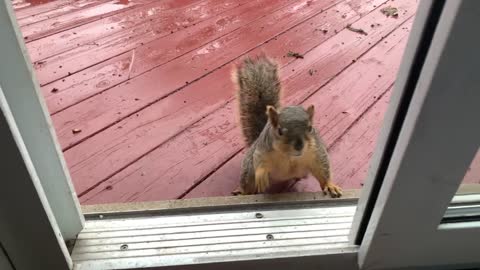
(74, 18)
(119, 102)
(89, 54)
(57, 8)
(104, 75)
(339, 104)
(145, 130)
(206, 145)
(147, 83)
(91, 32)
(34, 9)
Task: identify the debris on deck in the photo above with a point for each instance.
(295, 55)
(76, 130)
(390, 11)
(356, 30)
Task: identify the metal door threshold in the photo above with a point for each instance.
(213, 235)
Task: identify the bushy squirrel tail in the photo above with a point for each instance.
(258, 86)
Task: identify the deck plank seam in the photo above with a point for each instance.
(178, 133)
(125, 29)
(87, 21)
(184, 86)
(60, 14)
(138, 75)
(136, 47)
(314, 92)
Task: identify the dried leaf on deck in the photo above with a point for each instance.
(390, 11)
(356, 30)
(295, 55)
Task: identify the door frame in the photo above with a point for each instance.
(29, 233)
(44, 192)
(436, 144)
(27, 107)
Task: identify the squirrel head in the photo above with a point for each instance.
(292, 128)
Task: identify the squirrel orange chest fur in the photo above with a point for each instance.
(283, 167)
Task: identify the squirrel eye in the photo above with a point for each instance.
(310, 129)
(280, 131)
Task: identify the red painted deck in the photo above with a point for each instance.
(140, 94)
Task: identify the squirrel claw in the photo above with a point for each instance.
(237, 192)
(332, 189)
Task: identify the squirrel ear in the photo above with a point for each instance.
(311, 112)
(272, 115)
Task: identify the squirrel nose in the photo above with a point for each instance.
(298, 145)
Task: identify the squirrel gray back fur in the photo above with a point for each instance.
(258, 86)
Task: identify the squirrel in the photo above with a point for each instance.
(283, 144)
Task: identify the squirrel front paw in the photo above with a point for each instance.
(332, 189)
(262, 182)
(237, 191)
(262, 185)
